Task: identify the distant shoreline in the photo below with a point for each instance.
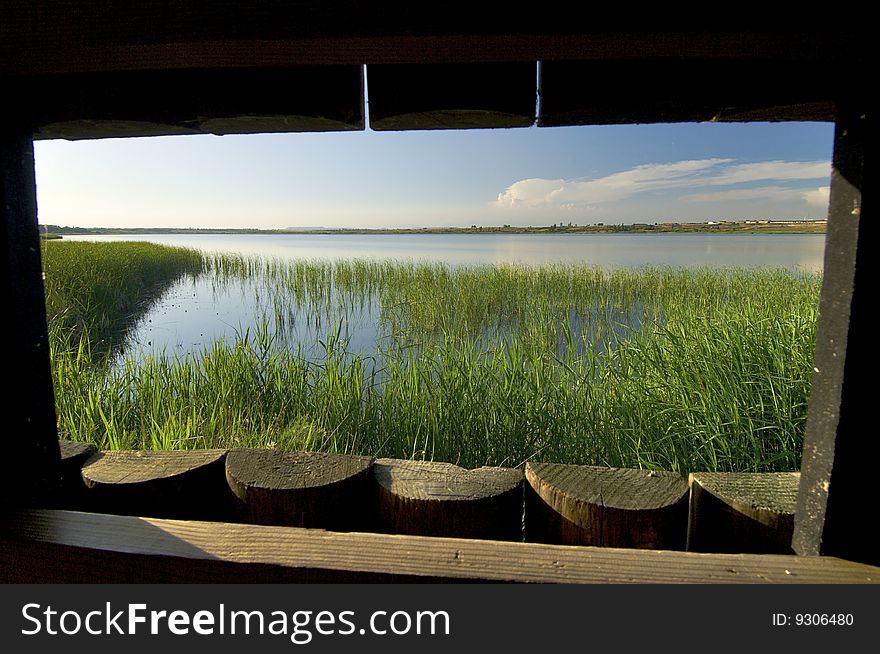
(720, 227)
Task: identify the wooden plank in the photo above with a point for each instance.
(125, 62)
(593, 92)
(326, 98)
(27, 401)
(742, 511)
(610, 507)
(425, 498)
(837, 489)
(301, 489)
(451, 96)
(187, 484)
(844, 46)
(61, 546)
(151, 103)
(41, 36)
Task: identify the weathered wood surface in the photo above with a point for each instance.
(40, 37)
(838, 482)
(742, 511)
(301, 489)
(63, 546)
(609, 507)
(27, 401)
(188, 484)
(452, 96)
(441, 499)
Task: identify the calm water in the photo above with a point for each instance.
(795, 251)
(195, 312)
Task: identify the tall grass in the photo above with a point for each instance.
(659, 368)
(96, 291)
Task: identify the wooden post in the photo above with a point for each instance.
(300, 489)
(27, 404)
(424, 498)
(72, 489)
(742, 512)
(186, 484)
(838, 489)
(607, 507)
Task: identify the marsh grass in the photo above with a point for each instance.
(96, 291)
(658, 368)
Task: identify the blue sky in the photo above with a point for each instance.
(527, 176)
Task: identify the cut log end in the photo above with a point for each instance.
(441, 499)
(137, 466)
(609, 507)
(435, 481)
(300, 489)
(179, 484)
(283, 470)
(734, 512)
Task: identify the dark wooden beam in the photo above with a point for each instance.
(27, 401)
(279, 98)
(838, 491)
(154, 103)
(169, 21)
(158, 67)
(43, 37)
(452, 96)
(668, 90)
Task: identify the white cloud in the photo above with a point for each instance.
(777, 170)
(529, 192)
(687, 174)
(818, 197)
(757, 193)
(617, 186)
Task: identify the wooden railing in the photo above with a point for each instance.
(260, 516)
(542, 503)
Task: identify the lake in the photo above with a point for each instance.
(793, 251)
(195, 312)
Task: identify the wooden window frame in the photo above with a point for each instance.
(836, 492)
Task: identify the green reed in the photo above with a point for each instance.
(659, 368)
(96, 291)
